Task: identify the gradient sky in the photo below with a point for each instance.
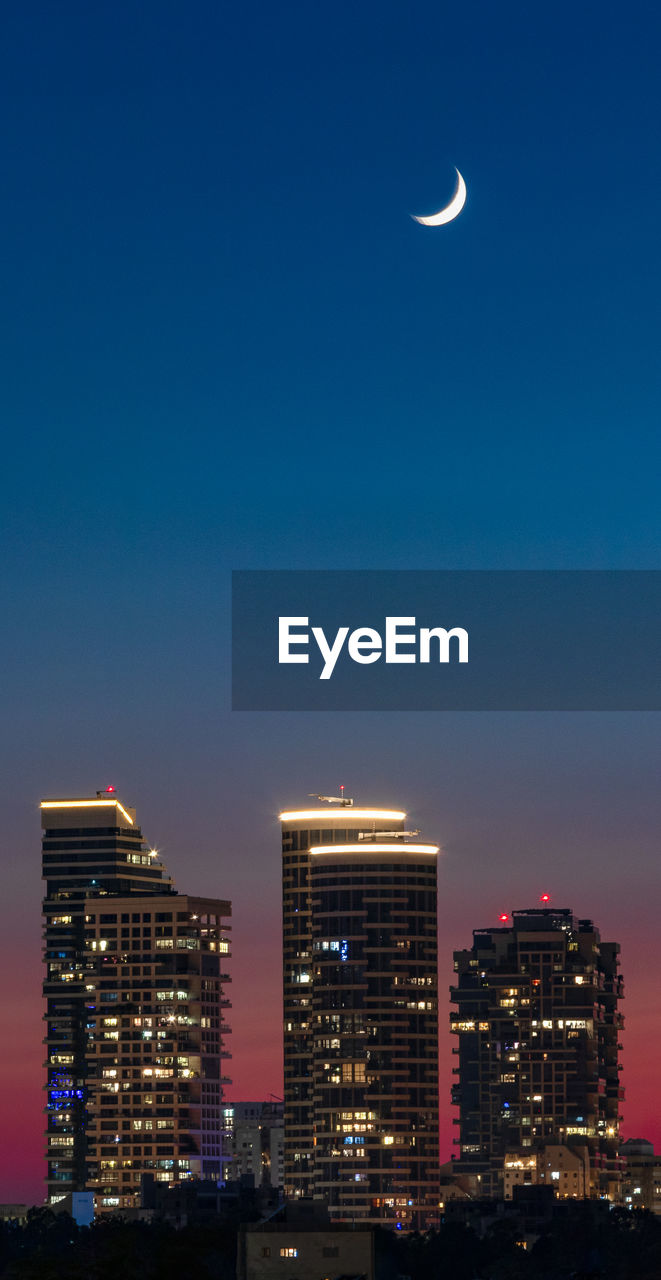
(225, 344)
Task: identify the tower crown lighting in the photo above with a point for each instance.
(347, 812)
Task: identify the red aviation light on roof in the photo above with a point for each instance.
(109, 790)
(545, 897)
(503, 917)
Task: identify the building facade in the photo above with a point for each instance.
(253, 1143)
(134, 1009)
(565, 1169)
(360, 1015)
(155, 1042)
(641, 1176)
(271, 1251)
(538, 1030)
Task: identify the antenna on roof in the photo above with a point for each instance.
(344, 801)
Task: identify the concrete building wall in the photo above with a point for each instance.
(284, 1254)
(253, 1143)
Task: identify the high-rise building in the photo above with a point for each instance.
(360, 1014)
(155, 1042)
(538, 1033)
(134, 1009)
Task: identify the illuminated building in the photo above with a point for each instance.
(564, 1169)
(360, 1014)
(154, 1054)
(133, 991)
(538, 1033)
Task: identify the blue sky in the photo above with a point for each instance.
(225, 344)
(220, 322)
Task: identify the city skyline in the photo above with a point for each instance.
(227, 345)
(256, 1044)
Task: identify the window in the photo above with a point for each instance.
(289, 1253)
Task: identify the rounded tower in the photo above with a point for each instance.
(360, 1014)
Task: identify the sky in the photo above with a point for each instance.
(226, 345)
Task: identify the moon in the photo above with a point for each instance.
(451, 210)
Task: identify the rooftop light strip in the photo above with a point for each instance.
(86, 804)
(346, 812)
(367, 846)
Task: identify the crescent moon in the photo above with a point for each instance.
(451, 210)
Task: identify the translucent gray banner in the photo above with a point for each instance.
(446, 641)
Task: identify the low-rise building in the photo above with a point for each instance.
(641, 1184)
(566, 1170)
(302, 1244)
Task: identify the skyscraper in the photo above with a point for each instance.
(134, 1009)
(155, 1042)
(538, 1046)
(360, 1014)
